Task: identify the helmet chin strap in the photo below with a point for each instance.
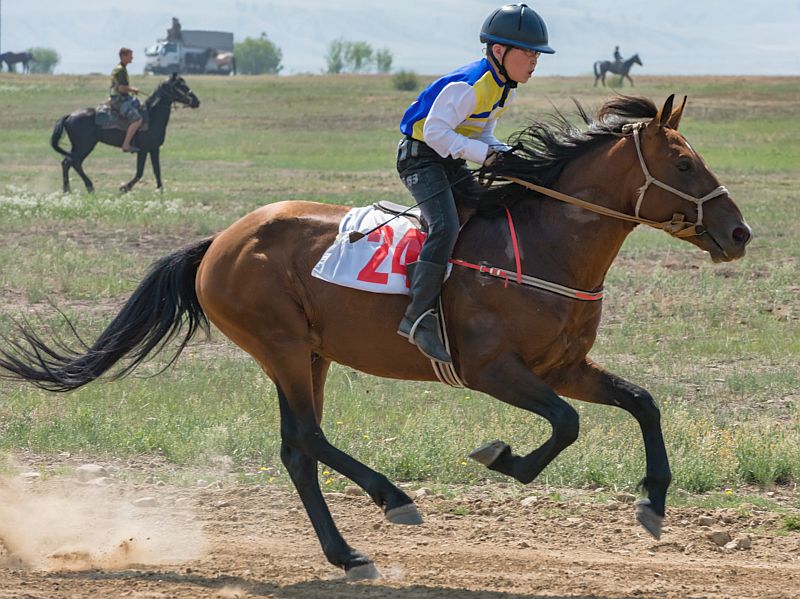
(501, 68)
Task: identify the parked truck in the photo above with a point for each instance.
(191, 51)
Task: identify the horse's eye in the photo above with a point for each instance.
(684, 165)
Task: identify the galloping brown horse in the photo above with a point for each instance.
(522, 345)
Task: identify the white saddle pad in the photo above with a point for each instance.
(377, 262)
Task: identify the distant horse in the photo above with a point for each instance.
(601, 67)
(226, 60)
(12, 58)
(84, 133)
(509, 338)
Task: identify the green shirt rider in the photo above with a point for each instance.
(122, 100)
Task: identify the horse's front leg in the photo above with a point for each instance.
(511, 381)
(589, 382)
(155, 161)
(140, 158)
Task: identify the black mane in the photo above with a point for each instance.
(545, 147)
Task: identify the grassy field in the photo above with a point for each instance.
(717, 345)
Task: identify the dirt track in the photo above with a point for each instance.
(88, 540)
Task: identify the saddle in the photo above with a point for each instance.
(106, 117)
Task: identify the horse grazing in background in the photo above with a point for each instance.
(12, 58)
(601, 67)
(84, 133)
(524, 345)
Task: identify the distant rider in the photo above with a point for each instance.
(121, 99)
(453, 121)
(617, 55)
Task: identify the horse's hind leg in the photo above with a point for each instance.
(65, 166)
(77, 164)
(319, 374)
(509, 380)
(302, 469)
(589, 382)
(78, 155)
(300, 382)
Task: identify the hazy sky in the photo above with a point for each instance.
(672, 36)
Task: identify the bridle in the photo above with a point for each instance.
(177, 94)
(677, 226)
(649, 179)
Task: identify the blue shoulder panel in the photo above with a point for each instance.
(418, 110)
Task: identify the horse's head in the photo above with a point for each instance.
(175, 89)
(681, 187)
(635, 58)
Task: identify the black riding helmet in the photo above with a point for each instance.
(516, 25)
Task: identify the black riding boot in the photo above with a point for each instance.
(420, 324)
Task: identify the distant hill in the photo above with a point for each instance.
(714, 37)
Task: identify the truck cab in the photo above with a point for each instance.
(163, 57)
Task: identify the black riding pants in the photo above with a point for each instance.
(432, 180)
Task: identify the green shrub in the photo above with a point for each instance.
(44, 60)
(405, 81)
(258, 56)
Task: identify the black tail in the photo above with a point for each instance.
(58, 131)
(597, 69)
(153, 316)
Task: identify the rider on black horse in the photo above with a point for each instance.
(121, 99)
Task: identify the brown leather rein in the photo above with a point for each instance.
(677, 226)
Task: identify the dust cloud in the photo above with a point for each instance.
(60, 524)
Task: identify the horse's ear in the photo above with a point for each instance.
(174, 76)
(675, 117)
(662, 116)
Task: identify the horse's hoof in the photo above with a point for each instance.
(648, 518)
(487, 454)
(405, 514)
(366, 571)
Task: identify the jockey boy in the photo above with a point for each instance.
(453, 121)
(121, 98)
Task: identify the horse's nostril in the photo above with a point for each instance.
(741, 235)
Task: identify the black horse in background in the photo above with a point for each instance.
(12, 58)
(601, 67)
(84, 133)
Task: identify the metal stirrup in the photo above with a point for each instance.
(429, 312)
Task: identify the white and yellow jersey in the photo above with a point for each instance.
(456, 114)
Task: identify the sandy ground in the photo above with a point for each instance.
(65, 538)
